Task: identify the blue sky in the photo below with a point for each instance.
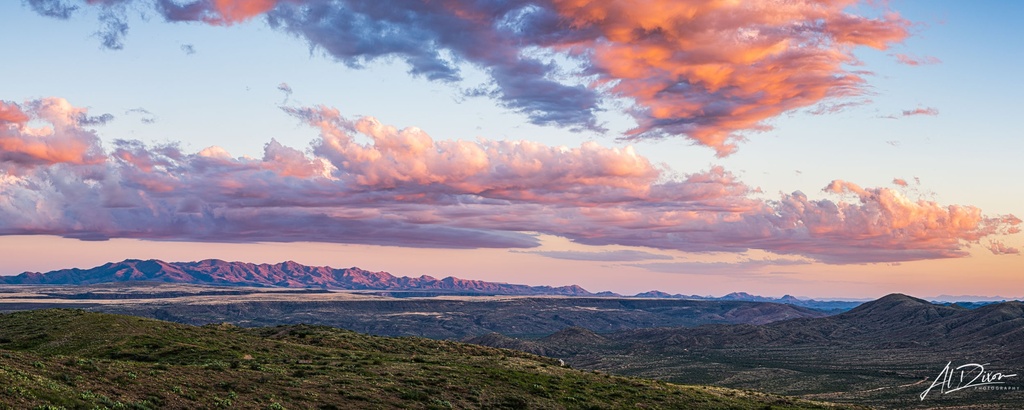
(205, 85)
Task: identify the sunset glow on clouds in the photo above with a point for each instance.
(706, 71)
(405, 188)
(544, 132)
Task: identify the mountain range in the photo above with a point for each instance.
(285, 274)
(295, 275)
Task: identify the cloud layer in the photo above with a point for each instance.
(603, 256)
(709, 71)
(365, 182)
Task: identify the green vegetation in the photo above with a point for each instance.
(59, 358)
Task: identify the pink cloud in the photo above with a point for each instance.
(1000, 248)
(920, 111)
(712, 72)
(914, 60)
(366, 182)
(64, 141)
(900, 182)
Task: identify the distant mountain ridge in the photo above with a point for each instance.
(893, 321)
(834, 306)
(285, 274)
(295, 275)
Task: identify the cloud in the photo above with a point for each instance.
(113, 28)
(712, 72)
(147, 117)
(914, 60)
(53, 8)
(920, 111)
(188, 49)
(63, 141)
(361, 181)
(1000, 248)
(734, 269)
(603, 256)
(900, 182)
(216, 12)
(287, 90)
(102, 119)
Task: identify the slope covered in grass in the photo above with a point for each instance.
(76, 359)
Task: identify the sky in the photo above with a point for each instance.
(835, 149)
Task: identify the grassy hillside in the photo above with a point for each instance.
(74, 359)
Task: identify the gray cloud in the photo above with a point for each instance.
(53, 8)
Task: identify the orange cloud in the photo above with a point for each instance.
(235, 11)
(11, 113)
(65, 141)
(709, 70)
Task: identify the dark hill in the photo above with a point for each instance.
(897, 310)
(893, 321)
(880, 353)
(573, 336)
(74, 359)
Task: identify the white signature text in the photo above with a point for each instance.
(971, 375)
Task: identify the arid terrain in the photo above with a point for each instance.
(448, 316)
(59, 358)
(884, 353)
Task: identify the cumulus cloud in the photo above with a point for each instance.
(362, 181)
(63, 141)
(602, 256)
(708, 71)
